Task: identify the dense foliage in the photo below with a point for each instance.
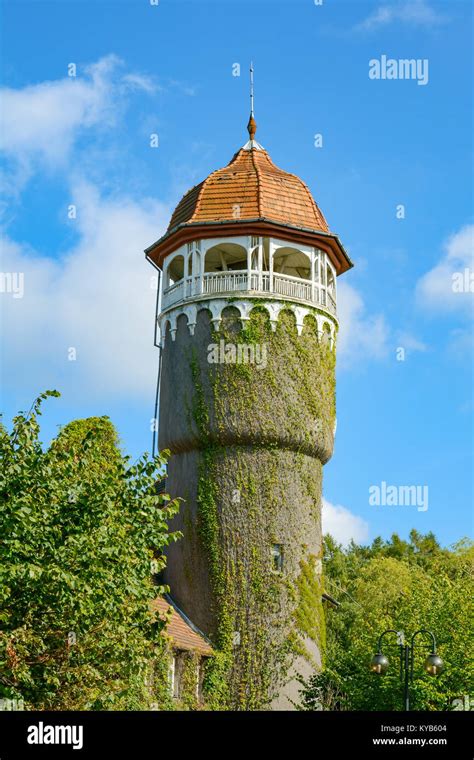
(81, 532)
(79, 527)
(405, 586)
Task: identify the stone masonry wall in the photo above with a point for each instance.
(248, 443)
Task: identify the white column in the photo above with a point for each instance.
(223, 262)
(313, 257)
(322, 275)
(195, 269)
(160, 291)
(249, 262)
(318, 275)
(164, 283)
(270, 264)
(260, 263)
(186, 282)
(335, 288)
(203, 265)
(186, 262)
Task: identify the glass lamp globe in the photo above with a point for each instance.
(433, 664)
(379, 664)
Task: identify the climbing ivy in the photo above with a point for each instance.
(263, 435)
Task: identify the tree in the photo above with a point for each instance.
(405, 585)
(80, 527)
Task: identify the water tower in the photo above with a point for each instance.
(248, 326)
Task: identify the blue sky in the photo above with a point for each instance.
(167, 69)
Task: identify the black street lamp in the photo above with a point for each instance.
(433, 663)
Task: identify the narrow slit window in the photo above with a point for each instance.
(171, 676)
(277, 558)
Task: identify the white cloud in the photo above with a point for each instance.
(361, 335)
(413, 12)
(41, 123)
(410, 343)
(141, 82)
(443, 288)
(44, 119)
(97, 298)
(343, 525)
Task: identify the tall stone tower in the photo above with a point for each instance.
(248, 327)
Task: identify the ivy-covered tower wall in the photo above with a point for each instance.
(247, 409)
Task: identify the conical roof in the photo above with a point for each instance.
(250, 196)
(251, 186)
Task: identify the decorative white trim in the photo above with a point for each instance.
(244, 306)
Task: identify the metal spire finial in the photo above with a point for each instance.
(252, 125)
(251, 88)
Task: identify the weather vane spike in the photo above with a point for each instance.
(251, 89)
(251, 126)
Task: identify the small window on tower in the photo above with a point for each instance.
(171, 675)
(277, 558)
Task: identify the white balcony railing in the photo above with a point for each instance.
(173, 294)
(292, 287)
(224, 282)
(214, 283)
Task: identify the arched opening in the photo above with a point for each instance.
(175, 271)
(204, 316)
(292, 273)
(326, 335)
(225, 268)
(259, 320)
(226, 257)
(231, 320)
(166, 331)
(310, 326)
(292, 262)
(173, 281)
(287, 321)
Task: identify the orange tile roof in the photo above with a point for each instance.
(254, 184)
(179, 629)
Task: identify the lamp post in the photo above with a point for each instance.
(433, 663)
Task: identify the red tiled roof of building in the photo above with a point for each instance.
(251, 186)
(179, 630)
